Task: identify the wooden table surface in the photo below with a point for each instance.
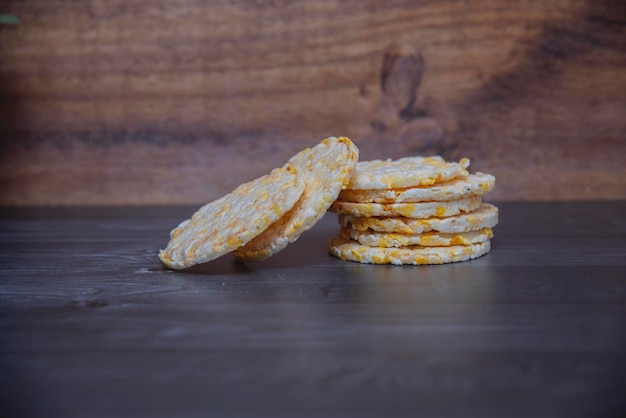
(92, 325)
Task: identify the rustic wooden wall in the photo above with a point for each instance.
(179, 101)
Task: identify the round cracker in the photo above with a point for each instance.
(405, 172)
(427, 239)
(484, 217)
(418, 210)
(457, 188)
(326, 169)
(415, 255)
(233, 220)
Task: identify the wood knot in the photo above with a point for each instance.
(400, 78)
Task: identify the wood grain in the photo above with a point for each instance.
(116, 102)
(92, 325)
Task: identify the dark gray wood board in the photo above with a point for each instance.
(91, 324)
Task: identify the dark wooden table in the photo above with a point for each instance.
(92, 325)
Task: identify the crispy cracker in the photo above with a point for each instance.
(457, 188)
(416, 255)
(484, 217)
(233, 220)
(426, 239)
(326, 169)
(418, 210)
(405, 172)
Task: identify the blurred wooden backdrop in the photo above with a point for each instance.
(179, 101)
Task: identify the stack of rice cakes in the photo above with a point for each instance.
(415, 210)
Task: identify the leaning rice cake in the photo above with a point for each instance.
(233, 220)
(405, 172)
(484, 217)
(457, 188)
(415, 255)
(326, 169)
(418, 210)
(426, 239)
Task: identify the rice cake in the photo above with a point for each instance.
(457, 188)
(233, 220)
(426, 239)
(326, 170)
(415, 255)
(484, 217)
(418, 210)
(405, 172)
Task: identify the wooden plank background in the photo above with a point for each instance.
(179, 101)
